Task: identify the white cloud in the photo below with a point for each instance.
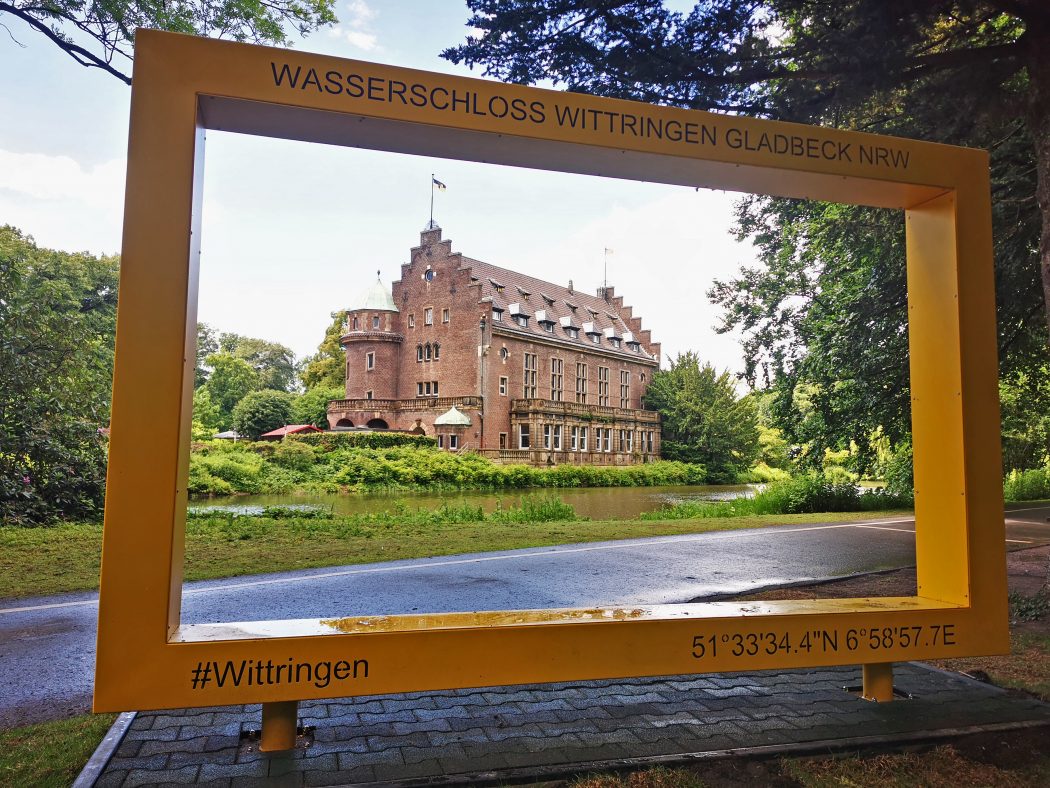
(356, 27)
(62, 203)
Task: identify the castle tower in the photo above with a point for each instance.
(372, 339)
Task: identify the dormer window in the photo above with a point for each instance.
(521, 320)
(497, 315)
(573, 333)
(571, 306)
(497, 285)
(614, 341)
(523, 293)
(596, 339)
(548, 326)
(548, 299)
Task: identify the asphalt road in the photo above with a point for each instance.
(47, 644)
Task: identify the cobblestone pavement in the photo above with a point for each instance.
(549, 728)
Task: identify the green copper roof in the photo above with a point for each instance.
(376, 297)
(453, 417)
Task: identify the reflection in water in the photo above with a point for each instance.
(596, 503)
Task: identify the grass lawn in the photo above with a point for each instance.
(39, 561)
(50, 753)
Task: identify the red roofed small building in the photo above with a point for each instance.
(542, 373)
(288, 429)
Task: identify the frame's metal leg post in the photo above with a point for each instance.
(280, 721)
(878, 681)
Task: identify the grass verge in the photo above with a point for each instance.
(41, 561)
(50, 753)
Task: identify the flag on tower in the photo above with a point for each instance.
(441, 187)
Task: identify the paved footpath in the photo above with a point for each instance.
(538, 732)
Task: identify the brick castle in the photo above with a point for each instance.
(498, 362)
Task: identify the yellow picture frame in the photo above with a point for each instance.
(147, 659)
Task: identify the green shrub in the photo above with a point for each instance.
(290, 454)
(804, 494)
(535, 509)
(1031, 485)
(261, 411)
(243, 471)
(900, 475)
(1028, 608)
(763, 474)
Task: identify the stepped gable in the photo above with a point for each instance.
(505, 287)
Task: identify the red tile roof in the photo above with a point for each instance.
(289, 429)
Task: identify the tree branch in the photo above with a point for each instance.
(78, 53)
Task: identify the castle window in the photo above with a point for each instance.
(574, 438)
(523, 436)
(596, 339)
(583, 439)
(375, 321)
(429, 275)
(355, 324)
(574, 333)
(546, 436)
(557, 437)
(625, 388)
(521, 320)
(428, 316)
(444, 315)
(437, 351)
(453, 442)
(581, 383)
(419, 352)
(370, 361)
(504, 353)
(503, 386)
(556, 379)
(419, 389)
(369, 394)
(411, 321)
(603, 385)
(426, 352)
(441, 441)
(548, 326)
(497, 315)
(614, 341)
(529, 384)
(435, 388)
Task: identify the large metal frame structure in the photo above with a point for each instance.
(183, 86)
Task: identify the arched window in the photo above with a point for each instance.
(419, 352)
(437, 351)
(378, 424)
(426, 351)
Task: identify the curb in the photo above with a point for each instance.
(819, 747)
(100, 757)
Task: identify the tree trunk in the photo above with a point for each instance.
(1038, 37)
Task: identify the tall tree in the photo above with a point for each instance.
(57, 316)
(274, 362)
(703, 420)
(102, 34)
(969, 71)
(327, 367)
(231, 380)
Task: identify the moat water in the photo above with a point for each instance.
(597, 503)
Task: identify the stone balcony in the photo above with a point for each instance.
(603, 413)
(397, 405)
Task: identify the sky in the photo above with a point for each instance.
(292, 231)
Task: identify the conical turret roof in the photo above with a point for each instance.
(376, 297)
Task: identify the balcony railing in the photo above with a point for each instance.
(547, 456)
(581, 411)
(390, 405)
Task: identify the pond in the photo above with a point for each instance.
(596, 503)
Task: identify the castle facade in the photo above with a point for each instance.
(495, 361)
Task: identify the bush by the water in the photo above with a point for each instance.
(1031, 485)
(223, 468)
(804, 494)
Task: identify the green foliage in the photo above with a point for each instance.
(1024, 397)
(102, 35)
(772, 448)
(803, 494)
(1028, 608)
(326, 368)
(762, 474)
(261, 411)
(535, 509)
(703, 421)
(231, 379)
(274, 362)
(223, 467)
(312, 406)
(301, 511)
(57, 317)
(365, 440)
(900, 474)
(207, 343)
(1030, 485)
(207, 420)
